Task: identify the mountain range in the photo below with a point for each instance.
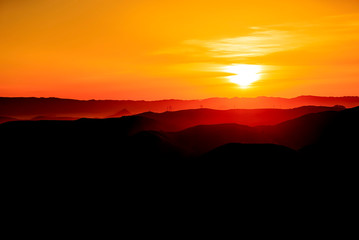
(191, 132)
(28, 108)
(297, 150)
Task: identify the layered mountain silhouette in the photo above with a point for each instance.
(130, 132)
(152, 149)
(179, 120)
(28, 108)
(201, 139)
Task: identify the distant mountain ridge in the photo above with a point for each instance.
(27, 108)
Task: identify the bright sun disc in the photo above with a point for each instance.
(243, 74)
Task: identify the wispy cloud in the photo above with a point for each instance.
(256, 44)
(325, 28)
(320, 41)
(267, 39)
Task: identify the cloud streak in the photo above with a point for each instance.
(268, 39)
(259, 43)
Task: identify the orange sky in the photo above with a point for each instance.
(160, 49)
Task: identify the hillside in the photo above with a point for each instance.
(27, 108)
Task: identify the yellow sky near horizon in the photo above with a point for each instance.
(140, 49)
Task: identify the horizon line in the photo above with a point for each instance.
(177, 99)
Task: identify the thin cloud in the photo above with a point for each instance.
(258, 43)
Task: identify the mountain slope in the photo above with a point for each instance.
(179, 120)
(26, 108)
(200, 139)
(321, 133)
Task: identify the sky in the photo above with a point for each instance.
(188, 49)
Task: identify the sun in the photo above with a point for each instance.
(243, 74)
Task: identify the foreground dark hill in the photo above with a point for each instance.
(198, 140)
(321, 136)
(133, 152)
(131, 163)
(82, 139)
(338, 139)
(302, 131)
(249, 154)
(27, 108)
(315, 128)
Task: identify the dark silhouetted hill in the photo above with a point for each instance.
(121, 113)
(133, 152)
(132, 158)
(253, 160)
(83, 137)
(152, 145)
(37, 118)
(299, 132)
(27, 108)
(201, 139)
(331, 128)
(7, 119)
(180, 120)
(316, 135)
(338, 139)
(326, 128)
(244, 154)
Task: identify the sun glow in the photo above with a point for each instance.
(243, 74)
